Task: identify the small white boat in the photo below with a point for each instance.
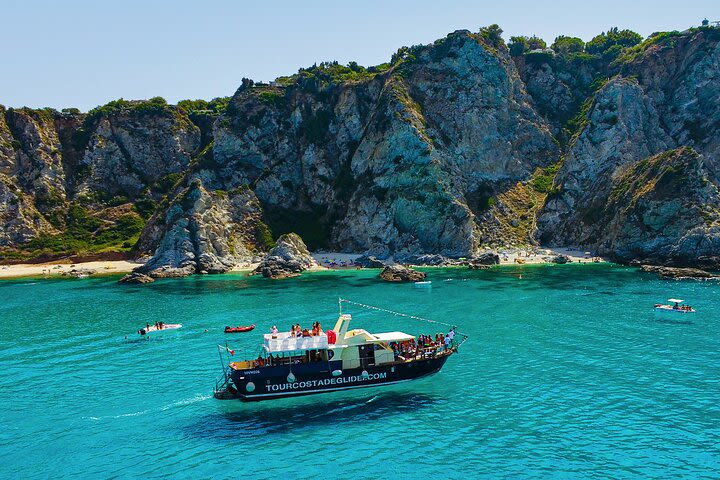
(160, 328)
(424, 284)
(676, 306)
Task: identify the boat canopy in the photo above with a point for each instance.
(286, 342)
(675, 300)
(393, 337)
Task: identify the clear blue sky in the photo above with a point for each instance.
(81, 54)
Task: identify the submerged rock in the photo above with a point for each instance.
(136, 277)
(399, 273)
(677, 272)
(288, 258)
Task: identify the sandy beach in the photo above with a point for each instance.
(107, 267)
(326, 260)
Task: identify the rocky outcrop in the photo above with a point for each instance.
(399, 273)
(487, 258)
(202, 231)
(20, 221)
(560, 259)
(664, 209)
(369, 261)
(79, 272)
(136, 278)
(678, 273)
(131, 149)
(288, 258)
(403, 163)
(639, 181)
(451, 149)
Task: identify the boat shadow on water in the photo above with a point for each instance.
(242, 420)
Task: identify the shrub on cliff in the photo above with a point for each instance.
(609, 45)
(566, 45)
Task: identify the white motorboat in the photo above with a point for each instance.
(676, 306)
(423, 284)
(159, 328)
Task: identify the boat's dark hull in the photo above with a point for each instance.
(272, 382)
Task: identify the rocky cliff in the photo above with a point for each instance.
(450, 148)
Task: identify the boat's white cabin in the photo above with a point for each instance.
(355, 348)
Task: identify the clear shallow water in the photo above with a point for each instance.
(567, 373)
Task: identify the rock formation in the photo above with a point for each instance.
(137, 278)
(399, 273)
(201, 232)
(449, 150)
(369, 261)
(678, 273)
(288, 258)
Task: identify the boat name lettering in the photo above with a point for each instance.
(326, 381)
(249, 372)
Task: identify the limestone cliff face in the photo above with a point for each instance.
(201, 232)
(664, 98)
(623, 126)
(398, 164)
(129, 151)
(664, 209)
(452, 148)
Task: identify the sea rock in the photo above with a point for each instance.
(369, 261)
(478, 266)
(288, 258)
(136, 277)
(678, 273)
(399, 273)
(487, 258)
(79, 272)
(560, 259)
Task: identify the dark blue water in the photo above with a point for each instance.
(568, 373)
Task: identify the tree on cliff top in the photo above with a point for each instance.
(608, 45)
(522, 44)
(564, 45)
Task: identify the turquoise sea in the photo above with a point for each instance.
(567, 373)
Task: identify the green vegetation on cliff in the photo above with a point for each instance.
(85, 233)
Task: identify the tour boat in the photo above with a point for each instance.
(239, 329)
(676, 306)
(166, 327)
(339, 359)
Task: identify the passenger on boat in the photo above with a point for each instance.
(676, 307)
(306, 333)
(451, 334)
(274, 330)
